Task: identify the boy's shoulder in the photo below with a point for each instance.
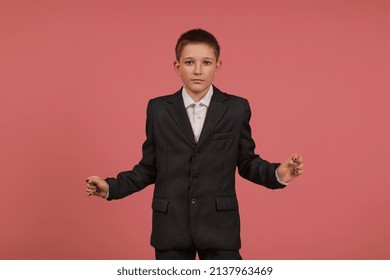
(167, 97)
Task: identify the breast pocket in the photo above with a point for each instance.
(223, 141)
(223, 136)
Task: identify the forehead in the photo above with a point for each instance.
(197, 50)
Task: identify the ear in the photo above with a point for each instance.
(218, 67)
(176, 65)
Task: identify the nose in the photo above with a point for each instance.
(198, 69)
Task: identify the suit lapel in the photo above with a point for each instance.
(180, 116)
(215, 112)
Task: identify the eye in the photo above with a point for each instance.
(188, 62)
(207, 62)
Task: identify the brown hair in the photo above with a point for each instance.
(196, 36)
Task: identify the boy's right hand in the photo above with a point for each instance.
(96, 186)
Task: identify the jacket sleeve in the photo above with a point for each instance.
(144, 173)
(250, 165)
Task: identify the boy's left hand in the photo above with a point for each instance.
(291, 168)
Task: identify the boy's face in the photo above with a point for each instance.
(197, 68)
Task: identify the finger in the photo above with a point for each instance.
(89, 193)
(87, 190)
(298, 168)
(91, 188)
(299, 159)
(93, 180)
(89, 180)
(298, 172)
(294, 157)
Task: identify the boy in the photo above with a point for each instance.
(195, 140)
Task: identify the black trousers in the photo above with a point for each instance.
(190, 254)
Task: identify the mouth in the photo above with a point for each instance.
(197, 80)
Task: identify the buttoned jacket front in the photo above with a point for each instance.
(194, 199)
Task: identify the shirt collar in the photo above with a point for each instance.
(188, 101)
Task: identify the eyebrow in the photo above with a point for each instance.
(202, 58)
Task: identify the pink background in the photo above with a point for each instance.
(75, 78)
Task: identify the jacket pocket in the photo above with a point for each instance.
(223, 136)
(160, 205)
(226, 203)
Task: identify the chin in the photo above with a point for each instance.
(199, 89)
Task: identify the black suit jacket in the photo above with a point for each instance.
(194, 196)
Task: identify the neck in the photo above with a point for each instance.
(197, 96)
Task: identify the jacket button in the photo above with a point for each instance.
(195, 176)
(194, 201)
(196, 152)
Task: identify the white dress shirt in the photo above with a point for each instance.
(197, 110)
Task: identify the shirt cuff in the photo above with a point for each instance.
(108, 192)
(279, 180)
